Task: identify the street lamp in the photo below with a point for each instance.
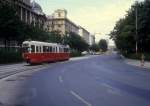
(136, 25)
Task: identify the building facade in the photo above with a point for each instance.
(30, 13)
(92, 39)
(84, 34)
(58, 21)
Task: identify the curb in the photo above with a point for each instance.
(125, 59)
(136, 65)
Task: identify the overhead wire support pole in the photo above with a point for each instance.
(136, 23)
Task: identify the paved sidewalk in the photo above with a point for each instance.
(138, 63)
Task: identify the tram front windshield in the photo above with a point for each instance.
(25, 48)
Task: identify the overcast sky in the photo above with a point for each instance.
(97, 16)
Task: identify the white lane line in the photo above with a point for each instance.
(111, 89)
(107, 85)
(60, 79)
(80, 98)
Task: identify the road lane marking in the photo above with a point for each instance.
(80, 98)
(60, 79)
(107, 85)
(111, 89)
(114, 91)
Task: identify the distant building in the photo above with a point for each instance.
(84, 34)
(92, 39)
(58, 21)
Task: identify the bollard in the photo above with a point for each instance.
(142, 60)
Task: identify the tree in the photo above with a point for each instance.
(124, 32)
(54, 37)
(95, 47)
(103, 45)
(76, 42)
(11, 27)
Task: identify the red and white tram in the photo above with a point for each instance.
(39, 52)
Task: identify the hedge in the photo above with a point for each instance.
(137, 56)
(75, 53)
(10, 56)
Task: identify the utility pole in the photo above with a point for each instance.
(136, 25)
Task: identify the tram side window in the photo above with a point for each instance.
(32, 48)
(40, 49)
(47, 49)
(65, 50)
(44, 48)
(59, 49)
(50, 49)
(37, 49)
(53, 49)
(62, 50)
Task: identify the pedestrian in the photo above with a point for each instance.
(142, 60)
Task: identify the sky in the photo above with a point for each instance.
(97, 16)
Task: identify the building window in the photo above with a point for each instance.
(59, 25)
(59, 14)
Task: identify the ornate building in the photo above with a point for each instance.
(30, 13)
(58, 21)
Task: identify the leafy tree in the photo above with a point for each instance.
(95, 47)
(124, 32)
(54, 36)
(35, 33)
(11, 27)
(76, 42)
(103, 45)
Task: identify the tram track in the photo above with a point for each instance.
(17, 71)
(6, 71)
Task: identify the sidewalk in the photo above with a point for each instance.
(137, 63)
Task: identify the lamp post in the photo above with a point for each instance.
(136, 25)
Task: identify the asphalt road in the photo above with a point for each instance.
(104, 80)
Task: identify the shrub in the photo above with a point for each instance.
(75, 53)
(137, 56)
(10, 56)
